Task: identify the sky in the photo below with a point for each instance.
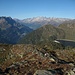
(22, 9)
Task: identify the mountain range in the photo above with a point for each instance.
(37, 22)
(48, 33)
(43, 30)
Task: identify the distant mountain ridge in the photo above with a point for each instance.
(43, 34)
(37, 22)
(11, 31)
(48, 33)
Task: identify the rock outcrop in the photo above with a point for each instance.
(26, 59)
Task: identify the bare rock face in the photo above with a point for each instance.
(11, 31)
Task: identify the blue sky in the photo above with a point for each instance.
(32, 8)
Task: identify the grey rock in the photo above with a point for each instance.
(44, 72)
(38, 52)
(71, 64)
(70, 73)
(74, 70)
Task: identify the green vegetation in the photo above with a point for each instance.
(4, 52)
(45, 33)
(48, 33)
(69, 29)
(51, 46)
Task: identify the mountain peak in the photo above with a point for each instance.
(37, 22)
(5, 17)
(11, 31)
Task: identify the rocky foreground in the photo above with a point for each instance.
(23, 59)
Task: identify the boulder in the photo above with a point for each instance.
(44, 72)
(70, 73)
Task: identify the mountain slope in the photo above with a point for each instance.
(69, 29)
(11, 31)
(45, 33)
